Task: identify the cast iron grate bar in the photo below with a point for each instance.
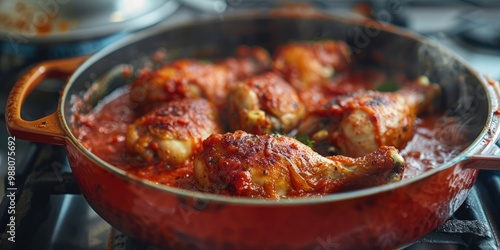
(489, 184)
(33, 196)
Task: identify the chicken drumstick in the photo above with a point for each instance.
(359, 123)
(264, 104)
(173, 132)
(275, 166)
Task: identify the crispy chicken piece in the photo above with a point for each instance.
(189, 78)
(264, 104)
(303, 64)
(173, 132)
(359, 123)
(277, 167)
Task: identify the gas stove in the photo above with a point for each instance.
(51, 213)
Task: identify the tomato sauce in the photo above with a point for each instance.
(103, 130)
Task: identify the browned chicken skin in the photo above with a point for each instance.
(273, 166)
(360, 123)
(173, 132)
(365, 128)
(189, 78)
(304, 64)
(264, 104)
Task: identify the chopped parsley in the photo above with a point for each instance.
(305, 139)
(388, 86)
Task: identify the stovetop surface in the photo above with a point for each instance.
(67, 222)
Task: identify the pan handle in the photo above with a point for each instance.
(489, 158)
(47, 129)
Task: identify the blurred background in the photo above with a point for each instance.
(47, 29)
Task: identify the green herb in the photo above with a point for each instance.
(305, 139)
(388, 86)
(205, 60)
